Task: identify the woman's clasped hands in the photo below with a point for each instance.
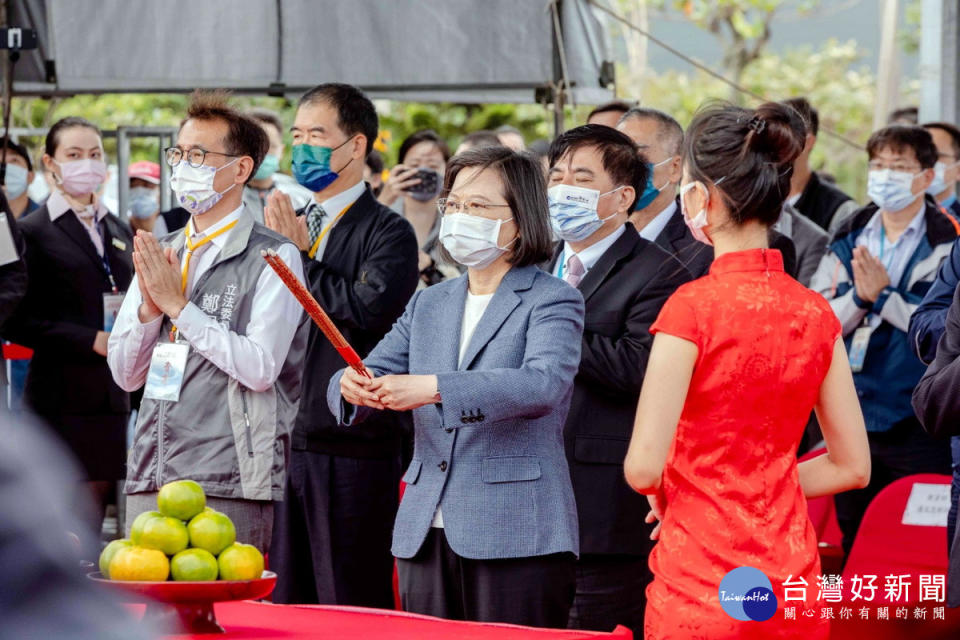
(396, 392)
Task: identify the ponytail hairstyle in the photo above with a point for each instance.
(747, 155)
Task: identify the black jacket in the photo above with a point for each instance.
(13, 283)
(697, 257)
(63, 311)
(623, 293)
(819, 201)
(677, 240)
(367, 275)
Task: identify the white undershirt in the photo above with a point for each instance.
(472, 312)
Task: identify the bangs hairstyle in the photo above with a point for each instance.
(898, 137)
(622, 159)
(56, 131)
(747, 155)
(245, 136)
(525, 191)
(424, 135)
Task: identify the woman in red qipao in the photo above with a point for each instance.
(740, 358)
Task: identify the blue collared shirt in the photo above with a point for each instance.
(894, 256)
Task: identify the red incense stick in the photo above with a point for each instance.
(313, 309)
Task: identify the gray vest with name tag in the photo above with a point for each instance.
(232, 440)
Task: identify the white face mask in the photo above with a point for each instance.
(573, 211)
(194, 186)
(891, 190)
(939, 184)
(471, 240)
(699, 221)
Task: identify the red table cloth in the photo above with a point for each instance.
(266, 621)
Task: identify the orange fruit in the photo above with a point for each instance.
(108, 552)
(168, 535)
(240, 562)
(194, 565)
(212, 531)
(137, 527)
(181, 499)
(139, 564)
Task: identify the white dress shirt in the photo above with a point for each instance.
(655, 227)
(332, 208)
(254, 358)
(57, 206)
(590, 255)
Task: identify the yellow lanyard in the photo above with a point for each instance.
(191, 247)
(316, 244)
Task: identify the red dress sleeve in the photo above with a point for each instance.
(677, 318)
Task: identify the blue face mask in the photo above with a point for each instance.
(650, 192)
(143, 202)
(311, 165)
(269, 166)
(573, 211)
(15, 181)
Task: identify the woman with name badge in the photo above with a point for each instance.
(739, 359)
(79, 262)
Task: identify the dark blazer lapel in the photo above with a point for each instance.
(551, 265)
(614, 254)
(504, 301)
(73, 229)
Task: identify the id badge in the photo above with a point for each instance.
(858, 348)
(8, 251)
(111, 309)
(165, 376)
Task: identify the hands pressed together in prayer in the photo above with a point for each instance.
(159, 277)
(280, 216)
(396, 392)
(869, 275)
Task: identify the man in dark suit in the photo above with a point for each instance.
(625, 280)
(657, 214)
(946, 138)
(13, 279)
(331, 542)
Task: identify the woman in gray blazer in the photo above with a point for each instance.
(487, 529)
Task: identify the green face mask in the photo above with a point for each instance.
(269, 166)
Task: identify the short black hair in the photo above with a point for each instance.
(951, 131)
(524, 189)
(899, 137)
(266, 116)
(622, 159)
(481, 138)
(810, 116)
(356, 114)
(53, 136)
(613, 105)
(18, 149)
(245, 136)
(424, 135)
(905, 114)
(375, 162)
(670, 130)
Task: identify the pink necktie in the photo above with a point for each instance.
(574, 271)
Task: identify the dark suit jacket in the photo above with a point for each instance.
(13, 283)
(367, 275)
(63, 311)
(697, 257)
(937, 405)
(677, 240)
(623, 293)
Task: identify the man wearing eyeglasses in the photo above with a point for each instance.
(334, 526)
(214, 334)
(877, 269)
